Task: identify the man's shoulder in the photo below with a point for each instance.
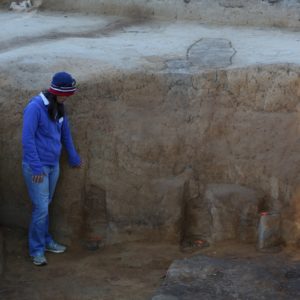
(34, 105)
(35, 101)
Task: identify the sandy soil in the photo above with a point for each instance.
(123, 271)
(131, 271)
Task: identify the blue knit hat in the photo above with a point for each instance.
(63, 84)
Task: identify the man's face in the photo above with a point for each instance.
(61, 99)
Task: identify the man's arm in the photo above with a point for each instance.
(67, 141)
(30, 124)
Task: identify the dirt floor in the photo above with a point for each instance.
(131, 271)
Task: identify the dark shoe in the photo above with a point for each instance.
(55, 247)
(39, 260)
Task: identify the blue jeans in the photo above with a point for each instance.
(41, 195)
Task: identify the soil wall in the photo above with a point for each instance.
(154, 143)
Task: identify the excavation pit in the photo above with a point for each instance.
(187, 131)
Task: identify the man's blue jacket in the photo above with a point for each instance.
(42, 138)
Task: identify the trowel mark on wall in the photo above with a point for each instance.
(274, 187)
(95, 211)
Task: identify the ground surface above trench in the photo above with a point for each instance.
(39, 43)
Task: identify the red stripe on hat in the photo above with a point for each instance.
(60, 93)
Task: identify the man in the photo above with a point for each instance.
(45, 130)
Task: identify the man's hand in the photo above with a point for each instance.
(38, 178)
(79, 166)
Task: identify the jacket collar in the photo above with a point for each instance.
(45, 100)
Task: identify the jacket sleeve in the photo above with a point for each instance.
(67, 141)
(30, 125)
